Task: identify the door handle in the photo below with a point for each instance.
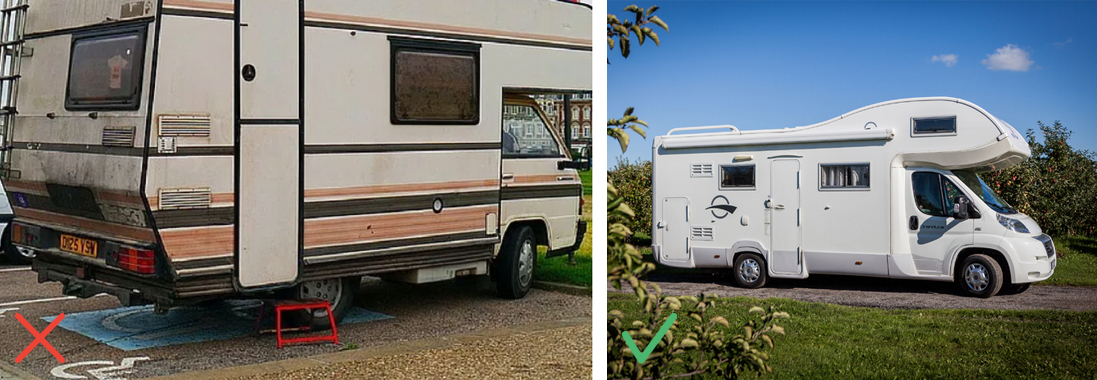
(913, 222)
(508, 176)
(779, 207)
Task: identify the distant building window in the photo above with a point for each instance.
(737, 176)
(935, 126)
(586, 113)
(843, 176)
(575, 113)
(586, 130)
(435, 82)
(575, 131)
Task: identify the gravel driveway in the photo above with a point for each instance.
(880, 293)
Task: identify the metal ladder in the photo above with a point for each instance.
(13, 21)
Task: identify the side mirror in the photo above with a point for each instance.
(567, 164)
(960, 207)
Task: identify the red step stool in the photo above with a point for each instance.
(292, 305)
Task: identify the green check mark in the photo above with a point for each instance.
(643, 356)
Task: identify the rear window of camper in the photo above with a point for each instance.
(737, 176)
(843, 176)
(937, 125)
(435, 82)
(105, 70)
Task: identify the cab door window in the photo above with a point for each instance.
(934, 194)
(525, 133)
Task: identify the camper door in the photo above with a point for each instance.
(268, 143)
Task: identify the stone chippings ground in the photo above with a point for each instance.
(563, 353)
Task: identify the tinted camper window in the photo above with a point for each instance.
(105, 70)
(435, 82)
(934, 194)
(526, 135)
(935, 125)
(738, 176)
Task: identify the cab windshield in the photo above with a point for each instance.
(984, 192)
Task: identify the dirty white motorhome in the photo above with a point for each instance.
(177, 151)
(888, 190)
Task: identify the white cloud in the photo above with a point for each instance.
(1009, 57)
(1064, 43)
(948, 59)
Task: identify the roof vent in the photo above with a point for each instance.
(118, 136)
(700, 170)
(184, 125)
(701, 233)
(171, 199)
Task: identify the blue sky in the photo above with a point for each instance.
(763, 65)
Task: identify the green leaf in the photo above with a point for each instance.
(638, 121)
(638, 131)
(688, 343)
(757, 309)
(639, 34)
(628, 111)
(632, 8)
(613, 43)
(612, 19)
(651, 34)
(652, 10)
(655, 20)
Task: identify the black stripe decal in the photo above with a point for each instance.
(454, 36)
(270, 121)
(80, 29)
(363, 247)
(202, 263)
(80, 148)
(386, 148)
(547, 191)
(218, 216)
(195, 151)
(196, 13)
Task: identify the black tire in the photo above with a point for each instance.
(750, 271)
(1015, 288)
(341, 302)
(516, 262)
(980, 276)
(11, 252)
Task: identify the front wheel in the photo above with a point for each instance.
(339, 292)
(980, 276)
(750, 271)
(517, 258)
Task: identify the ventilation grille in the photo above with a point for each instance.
(701, 233)
(700, 170)
(118, 136)
(184, 125)
(1049, 247)
(184, 198)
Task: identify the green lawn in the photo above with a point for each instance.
(584, 175)
(1078, 266)
(826, 341)
(557, 269)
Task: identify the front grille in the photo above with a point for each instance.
(1049, 246)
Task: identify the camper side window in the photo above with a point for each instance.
(935, 126)
(843, 176)
(434, 82)
(934, 194)
(105, 70)
(525, 134)
(737, 176)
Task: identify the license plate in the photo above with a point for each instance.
(79, 246)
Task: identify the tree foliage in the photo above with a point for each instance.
(633, 181)
(710, 346)
(1057, 186)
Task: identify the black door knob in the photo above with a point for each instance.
(248, 73)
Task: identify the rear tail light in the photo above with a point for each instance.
(137, 260)
(582, 202)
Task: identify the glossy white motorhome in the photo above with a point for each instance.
(176, 151)
(888, 190)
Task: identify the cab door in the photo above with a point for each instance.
(535, 184)
(934, 234)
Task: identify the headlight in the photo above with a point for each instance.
(1012, 224)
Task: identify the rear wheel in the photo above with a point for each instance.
(14, 254)
(517, 258)
(750, 271)
(980, 276)
(339, 292)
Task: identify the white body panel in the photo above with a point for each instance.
(846, 230)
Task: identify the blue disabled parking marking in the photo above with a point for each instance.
(138, 327)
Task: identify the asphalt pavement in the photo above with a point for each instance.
(409, 313)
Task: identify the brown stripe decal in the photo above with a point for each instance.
(545, 179)
(393, 189)
(95, 226)
(212, 241)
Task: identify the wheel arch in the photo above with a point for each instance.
(994, 253)
(539, 226)
(747, 246)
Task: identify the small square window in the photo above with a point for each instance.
(737, 176)
(106, 69)
(435, 82)
(935, 126)
(843, 176)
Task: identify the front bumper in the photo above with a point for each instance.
(1035, 259)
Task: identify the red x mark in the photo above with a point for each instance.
(39, 338)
